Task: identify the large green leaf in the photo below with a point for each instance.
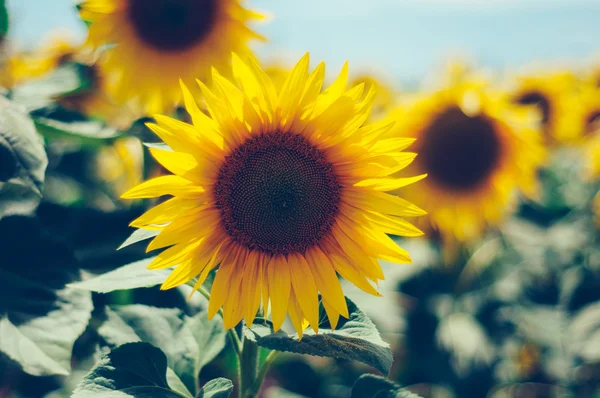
(355, 339)
(217, 388)
(40, 318)
(371, 386)
(188, 342)
(130, 370)
(23, 161)
(130, 276)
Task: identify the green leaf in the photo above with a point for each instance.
(355, 339)
(188, 342)
(88, 133)
(139, 235)
(130, 276)
(23, 162)
(278, 392)
(3, 20)
(216, 388)
(131, 370)
(40, 318)
(371, 386)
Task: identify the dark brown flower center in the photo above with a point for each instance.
(592, 123)
(277, 193)
(172, 25)
(459, 152)
(539, 100)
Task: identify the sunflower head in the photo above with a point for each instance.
(476, 151)
(153, 43)
(282, 190)
(552, 95)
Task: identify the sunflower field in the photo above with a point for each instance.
(187, 210)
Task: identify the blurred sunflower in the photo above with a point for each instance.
(476, 151)
(282, 188)
(588, 117)
(584, 118)
(94, 99)
(19, 67)
(120, 164)
(153, 43)
(552, 95)
(592, 148)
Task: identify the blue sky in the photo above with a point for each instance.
(401, 39)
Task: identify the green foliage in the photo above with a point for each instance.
(23, 161)
(37, 94)
(87, 133)
(354, 339)
(371, 386)
(131, 370)
(217, 388)
(189, 343)
(140, 370)
(129, 276)
(40, 317)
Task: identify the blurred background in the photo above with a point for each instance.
(513, 312)
(403, 39)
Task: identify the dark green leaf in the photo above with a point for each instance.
(217, 388)
(40, 318)
(131, 370)
(23, 161)
(130, 276)
(355, 339)
(371, 386)
(188, 342)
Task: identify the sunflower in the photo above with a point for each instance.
(94, 99)
(587, 116)
(19, 67)
(153, 43)
(592, 150)
(553, 96)
(284, 189)
(120, 165)
(476, 151)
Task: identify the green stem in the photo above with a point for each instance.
(235, 340)
(262, 372)
(248, 369)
